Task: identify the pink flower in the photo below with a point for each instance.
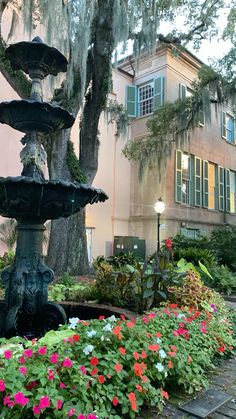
(67, 363)
(83, 369)
(42, 350)
(7, 354)
(22, 360)
(91, 416)
(28, 353)
(59, 404)
(81, 417)
(21, 399)
(36, 409)
(54, 358)
(50, 375)
(23, 370)
(62, 385)
(44, 402)
(7, 401)
(2, 385)
(71, 412)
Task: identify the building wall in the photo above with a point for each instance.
(206, 143)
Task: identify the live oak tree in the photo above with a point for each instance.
(88, 32)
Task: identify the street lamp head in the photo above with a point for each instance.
(159, 206)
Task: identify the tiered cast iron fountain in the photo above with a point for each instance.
(32, 200)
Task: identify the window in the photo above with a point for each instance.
(145, 99)
(185, 179)
(211, 186)
(188, 185)
(228, 127)
(191, 233)
(185, 92)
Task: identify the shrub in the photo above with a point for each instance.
(194, 254)
(223, 244)
(110, 367)
(76, 292)
(182, 242)
(193, 293)
(222, 279)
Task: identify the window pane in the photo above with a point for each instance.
(145, 95)
(232, 192)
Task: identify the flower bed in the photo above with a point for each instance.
(109, 367)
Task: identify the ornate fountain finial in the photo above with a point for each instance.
(38, 40)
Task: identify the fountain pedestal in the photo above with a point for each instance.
(32, 200)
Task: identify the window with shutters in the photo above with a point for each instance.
(227, 127)
(185, 179)
(145, 99)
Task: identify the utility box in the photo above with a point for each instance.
(125, 244)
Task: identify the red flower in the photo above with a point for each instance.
(94, 371)
(139, 368)
(144, 379)
(115, 401)
(168, 244)
(154, 347)
(28, 353)
(94, 361)
(101, 317)
(172, 354)
(122, 351)
(165, 394)
(143, 355)
(130, 324)
(59, 404)
(20, 399)
(136, 355)
(139, 388)
(54, 358)
(118, 367)
(116, 331)
(67, 363)
(132, 397)
(76, 338)
(158, 335)
(44, 402)
(170, 364)
(221, 349)
(101, 379)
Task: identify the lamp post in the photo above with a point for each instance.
(159, 208)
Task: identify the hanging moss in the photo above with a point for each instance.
(73, 165)
(115, 112)
(24, 85)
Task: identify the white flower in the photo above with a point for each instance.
(180, 315)
(162, 353)
(73, 322)
(88, 349)
(102, 338)
(112, 318)
(159, 367)
(91, 333)
(158, 340)
(107, 328)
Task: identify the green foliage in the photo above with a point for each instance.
(116, 112)
(7, 259)
(79, 292)
(194, 255)
(115, 278)
(112, 367)
(73, 164)
(222, 279)
(182, 242)
(67, 280)
(223, 244)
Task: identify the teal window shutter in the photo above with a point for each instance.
(158, 92)
(221, 188)
(131, 100)
(198, 183)
(182, 91)
(223, 125)
(178, 177)
(227, 190)
(192, 181)
(205, 184)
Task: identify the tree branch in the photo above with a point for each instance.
(17, 80)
